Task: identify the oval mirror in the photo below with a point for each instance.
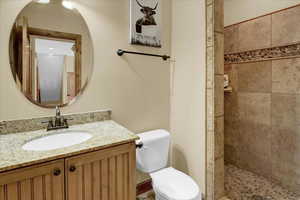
(51, 53)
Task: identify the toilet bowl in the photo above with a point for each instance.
(168, 183)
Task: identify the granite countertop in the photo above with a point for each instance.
(105, 134)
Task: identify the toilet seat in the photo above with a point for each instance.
(171, 184)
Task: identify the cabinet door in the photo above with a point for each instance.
(107, 174)
(41, 182)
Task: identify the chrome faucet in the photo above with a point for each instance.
(59, 121)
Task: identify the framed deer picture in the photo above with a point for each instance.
(145, 22)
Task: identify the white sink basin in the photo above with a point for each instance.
(57, 141)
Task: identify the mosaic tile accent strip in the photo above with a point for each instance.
(16, 126)
(288, 51)
(243, 185)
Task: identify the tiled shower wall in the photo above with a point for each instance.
(262, 114)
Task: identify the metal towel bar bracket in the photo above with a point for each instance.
(121, 52)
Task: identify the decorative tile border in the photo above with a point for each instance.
(287, 51)
(34, 124)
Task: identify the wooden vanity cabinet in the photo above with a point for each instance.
(103, 175)
(107, 174)
(41, 182)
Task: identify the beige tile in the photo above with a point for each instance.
(231, 113)
(210, 68)
(255, 124)
(231, 39)
(287, 174)
(209, 26)
(231, 155)
(219, 53)
(219, 95)
(210, 149)
(232, 134)
(149, 195)
(219, 178)
(208, 2)
(286, 27)
(298, 110)
(255, 34)
(254, 109)
(210, 109)
(286, 76)
(210, 158)
(256, 141)
(227, 68)
(255, 77)
(286, 146)
(285, 140)
(259, 163)
(219, 137)
(284, 111)
(254, 151)
(210, 184)
(231, 128)
(219, 15)
(141, 177)
(231, 120)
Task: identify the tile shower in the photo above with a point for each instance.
(262, 114)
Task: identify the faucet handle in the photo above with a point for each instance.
(46, 122)
(49, 122)
(2, 125)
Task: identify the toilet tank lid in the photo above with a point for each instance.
(153, 135)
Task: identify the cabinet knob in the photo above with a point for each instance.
(56, 172)
(72, 168)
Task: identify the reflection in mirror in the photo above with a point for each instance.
(50, 55)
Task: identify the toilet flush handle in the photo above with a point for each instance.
(139, 145)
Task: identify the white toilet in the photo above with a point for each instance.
(168, 183)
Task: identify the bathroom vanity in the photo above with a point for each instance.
(102, 167)
(83, 156)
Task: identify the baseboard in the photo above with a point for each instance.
(144, 187)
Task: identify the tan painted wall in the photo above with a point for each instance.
(237, 10)
(188, 91)
(136, 88)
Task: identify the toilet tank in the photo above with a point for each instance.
(153, 155)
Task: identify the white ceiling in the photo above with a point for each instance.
(53, 47)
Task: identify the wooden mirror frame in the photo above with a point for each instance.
(48, 34)
(54, 35)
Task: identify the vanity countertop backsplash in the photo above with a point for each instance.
(104, 131)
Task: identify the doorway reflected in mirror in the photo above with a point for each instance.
(51, 56)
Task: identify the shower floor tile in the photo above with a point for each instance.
(244, 185)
